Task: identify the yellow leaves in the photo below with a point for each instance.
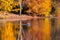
(16, 9)
(7, 5)
(46, 5)
(7, 1)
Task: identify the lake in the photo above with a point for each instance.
(33, 29)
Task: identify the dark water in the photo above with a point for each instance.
(35, 29)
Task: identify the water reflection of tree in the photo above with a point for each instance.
(38, 30)
(9, 30)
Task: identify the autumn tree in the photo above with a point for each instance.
(39, 6)
(8, 5)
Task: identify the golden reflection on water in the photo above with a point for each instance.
(47, 29)
(39, 30)
(35, 29)
(9, 30)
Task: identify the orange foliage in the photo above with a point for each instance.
(39, 6)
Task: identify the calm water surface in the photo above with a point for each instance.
(34, 29)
